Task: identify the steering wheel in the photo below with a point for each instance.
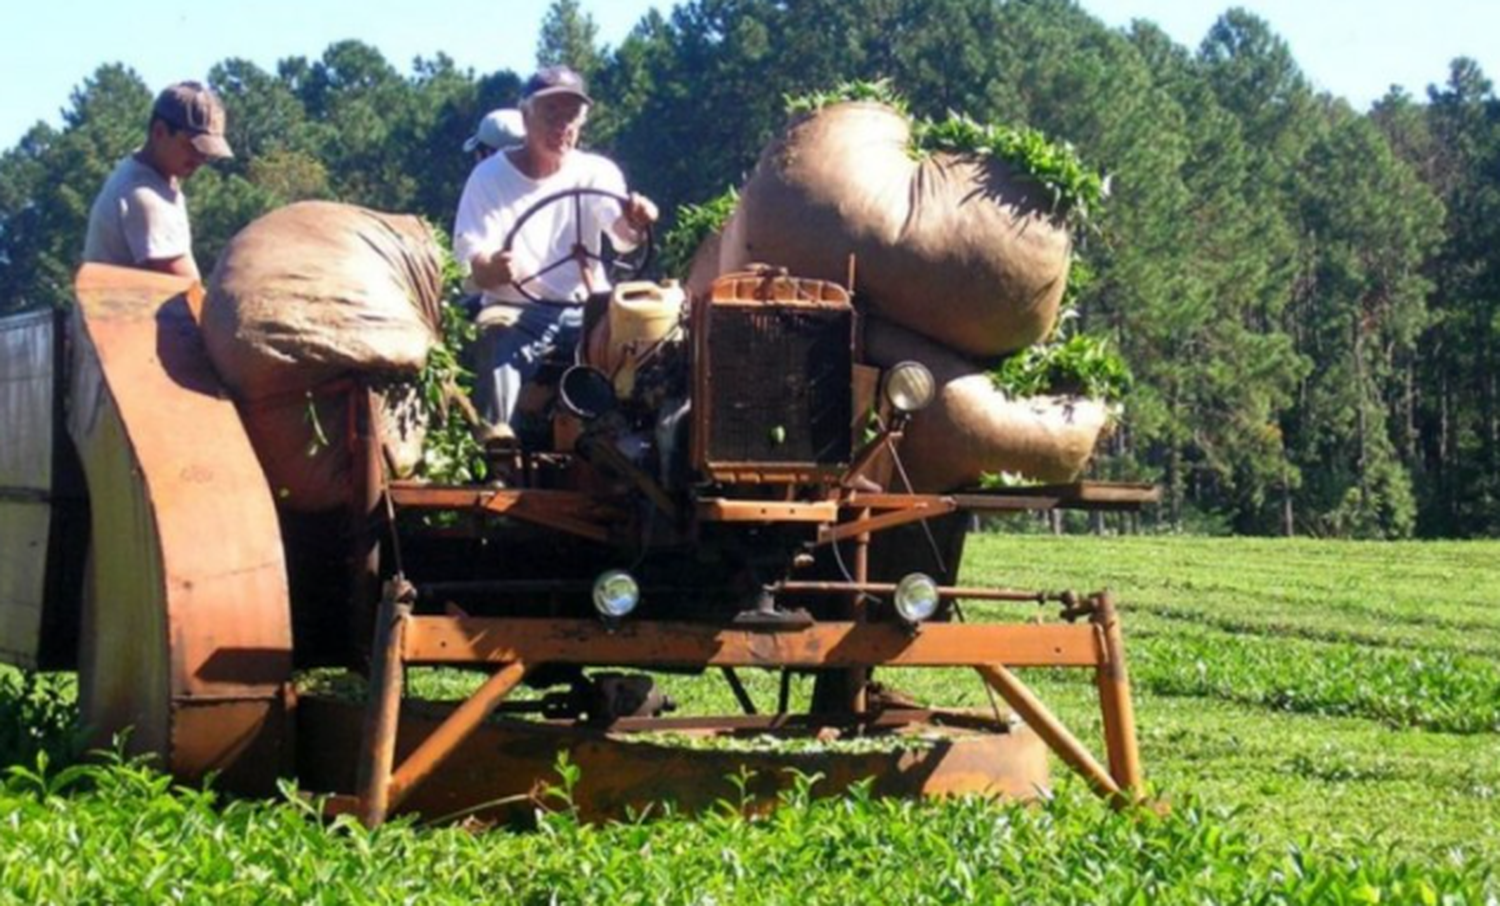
(625, 265)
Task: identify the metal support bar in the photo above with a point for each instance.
(384, 704)
(1082, 495)
(461, 724)
(1114, 699)
(1049, 728)
(738, 688)
(843, 690)
(865, 524)
(594, 449)
(566, 511)
(363, 414)
(887, 588)
(449, 640)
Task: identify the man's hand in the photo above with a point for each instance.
(491, 271)
(640, 212)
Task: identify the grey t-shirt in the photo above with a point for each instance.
(138, 216)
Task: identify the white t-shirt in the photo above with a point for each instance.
(138, 216)
(497, 194)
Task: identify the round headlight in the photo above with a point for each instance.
(916, 597)
(616, 594)
(909, 387)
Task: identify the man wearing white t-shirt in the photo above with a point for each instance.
(516, 331)
(140, 219)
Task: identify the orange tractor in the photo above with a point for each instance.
(728, 498)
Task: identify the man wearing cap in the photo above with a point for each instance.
(499, 129)
(140, 219)
(516, 332)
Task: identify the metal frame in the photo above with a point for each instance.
(509, 646)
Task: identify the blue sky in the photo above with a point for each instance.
(1352, 48)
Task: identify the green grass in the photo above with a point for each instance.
(1345, 690)
(1321, 715)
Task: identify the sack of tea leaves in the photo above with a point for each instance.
(302, 302)
(961, 248)
(973, 428)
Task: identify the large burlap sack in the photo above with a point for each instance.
(301, 301)
(958, 248)
(704, 267)
(972, 428)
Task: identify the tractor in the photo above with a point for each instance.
(711, 484)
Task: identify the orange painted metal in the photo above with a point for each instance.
(1058, 737)
(502, 771)
(1114, 699)
(960, 592)
(448, 640)
(1090, 495)
(720, 510)
(382, 710)
(186, 627)
(744, 295)
(453, 731)
(567, 511)
(921, 508)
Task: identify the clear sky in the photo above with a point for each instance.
(1353, 48)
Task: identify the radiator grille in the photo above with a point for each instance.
(779, 383)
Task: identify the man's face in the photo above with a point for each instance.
(176, 152)
(554, 123)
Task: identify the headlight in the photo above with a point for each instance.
(916, 597)
(616, 594)
(909, 387)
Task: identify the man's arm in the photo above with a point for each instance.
(158, 235)
(475, 244)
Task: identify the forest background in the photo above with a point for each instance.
(1308, 296)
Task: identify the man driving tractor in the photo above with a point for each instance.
(535, 280)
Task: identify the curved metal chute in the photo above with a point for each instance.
(186, 635)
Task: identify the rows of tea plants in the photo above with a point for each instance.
(119, 832)
(1321, 718)
(1344, 690)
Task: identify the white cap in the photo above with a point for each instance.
(498, 129)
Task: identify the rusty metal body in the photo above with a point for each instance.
(625, 770)
(783, 564)
(186, 637)
(770, 510)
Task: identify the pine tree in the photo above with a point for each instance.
(569, 38)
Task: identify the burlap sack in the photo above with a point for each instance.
(958, 248)
(972, 428)
(704, 267)
(303, 298)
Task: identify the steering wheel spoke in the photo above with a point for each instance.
(580, 254)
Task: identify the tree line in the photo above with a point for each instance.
(1308, 295)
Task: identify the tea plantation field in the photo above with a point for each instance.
(1324, 718)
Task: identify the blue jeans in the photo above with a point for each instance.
(506, 357)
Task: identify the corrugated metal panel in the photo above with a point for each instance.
(26, 388)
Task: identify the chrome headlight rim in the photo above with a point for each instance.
(916, 598)
(615, 595)
(909, 387)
